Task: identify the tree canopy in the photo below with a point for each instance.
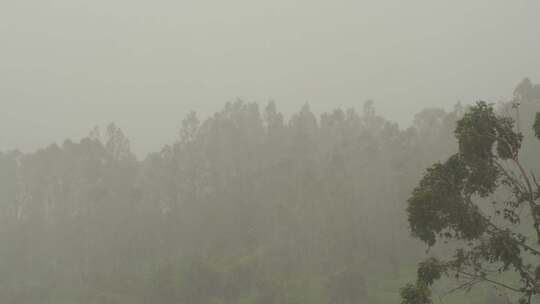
(484, 202)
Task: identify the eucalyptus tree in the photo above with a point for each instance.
(485, 205)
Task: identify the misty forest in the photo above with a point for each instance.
(251, 206)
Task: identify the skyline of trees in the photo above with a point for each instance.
(246, 206)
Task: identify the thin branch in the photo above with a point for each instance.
(511, 177)
(484, 278)
(525, 177)
(535, 181)
(467, 284)
(530, 192)
(534, 251)
(500, 230)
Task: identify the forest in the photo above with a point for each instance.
(247, 206)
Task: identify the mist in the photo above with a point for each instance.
(69, 65)
(269, 152)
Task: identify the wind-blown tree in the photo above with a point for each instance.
(483, 203)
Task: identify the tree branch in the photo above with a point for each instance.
(484, 278)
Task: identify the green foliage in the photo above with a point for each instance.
(415, 294)
(244, 207)
(484, 138)
(437, 206)
(446, 206)
(481, 129)
(430, 271)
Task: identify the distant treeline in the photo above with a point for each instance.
(245, 207)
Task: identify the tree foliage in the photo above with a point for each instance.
(485, 203)
(245, 206)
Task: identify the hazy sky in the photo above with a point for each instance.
(67, 65)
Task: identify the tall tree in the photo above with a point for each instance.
(454, 201)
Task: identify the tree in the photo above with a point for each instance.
(483, 201)
(246, 206)
(117, 143)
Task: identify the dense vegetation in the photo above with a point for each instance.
(245, 207)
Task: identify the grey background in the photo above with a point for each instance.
(67, 65)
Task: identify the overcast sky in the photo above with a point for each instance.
(67, 65)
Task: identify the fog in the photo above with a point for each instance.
(67, 65)
(269, 152)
